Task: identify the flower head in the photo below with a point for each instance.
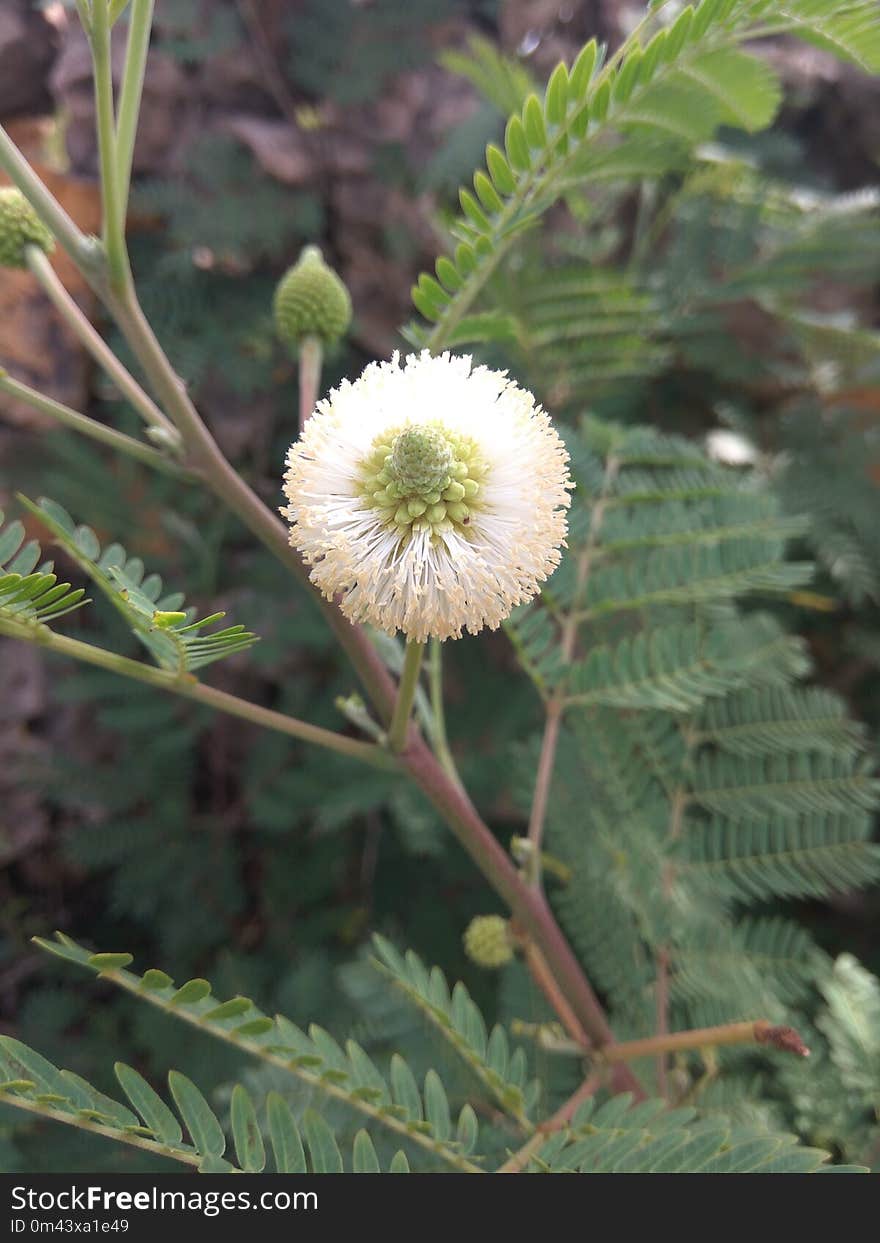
(20, 227)
(429, 497)
(487, 941)
(311, 300)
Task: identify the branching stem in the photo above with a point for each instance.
(77, 422)
(556, 706)
(563, 1116)
(190, 688)
(756, 1032)
(79, 324)
(84, 251)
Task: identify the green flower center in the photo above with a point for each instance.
(423, 478)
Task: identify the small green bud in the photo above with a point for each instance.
(487, 941)
(20, 227)
(436, 514)
(455, 491)
(311, 300)
(165, 619)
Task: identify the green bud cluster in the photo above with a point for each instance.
(487, 941)
(311, 300)
(20, 227)
(422, 478)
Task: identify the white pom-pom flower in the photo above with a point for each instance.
(429, 497)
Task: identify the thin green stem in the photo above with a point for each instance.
(398, 731)
(518, 1161)
(84, 251)
(80, 325)
(439, 739)
(310, 359)
(114, 217)
(91, 427)
(85, 15)
(83, 1123)
(140, 23)
(190, 688)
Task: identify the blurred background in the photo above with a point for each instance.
(738, 296)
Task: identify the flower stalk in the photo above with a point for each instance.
(79, 324)
(437, 728)
(406, 692)
(310, 361)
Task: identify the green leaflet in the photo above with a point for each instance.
(649, 1138)
(346, 1076)
(688, 749)
(499, 1069)
(64, 1097)
(173, 637)
(679, 87)
(30, 594)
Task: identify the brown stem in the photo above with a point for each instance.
(528, 905)
(556, 706)
(662, 1010)
(663, 956)
(520, 1159)
(264, 52)
(543, 977)
(543, 781)
(757, 1032)
(110, 276)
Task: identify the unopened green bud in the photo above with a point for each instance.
(311, 301)
(487, 941)
(165, 618)
(20, 227)
(421, 459)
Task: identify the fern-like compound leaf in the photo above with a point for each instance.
(346, 1076)
(30, 593)
(175, 638)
